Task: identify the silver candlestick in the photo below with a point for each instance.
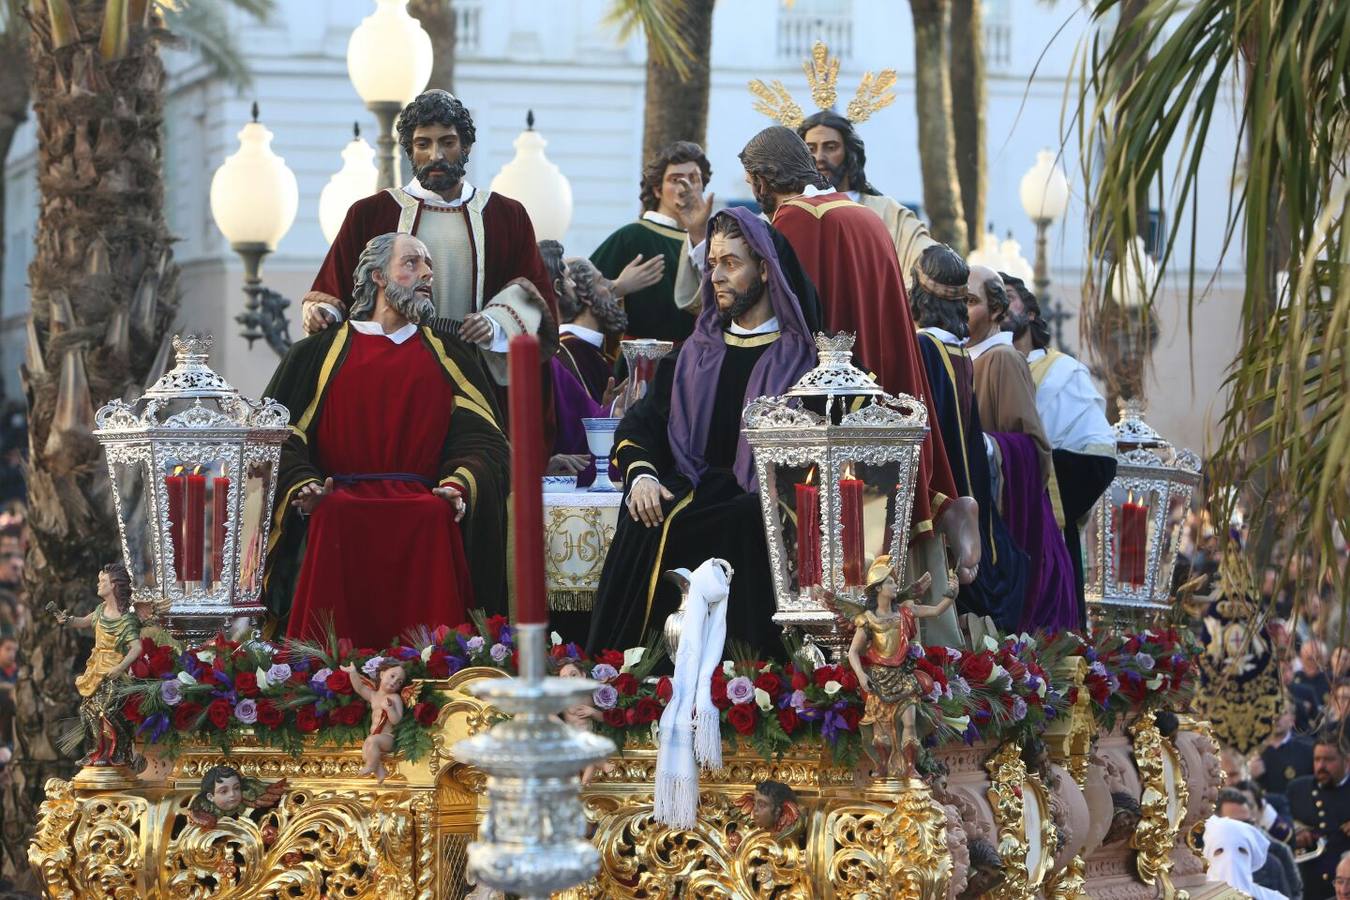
(533, 839)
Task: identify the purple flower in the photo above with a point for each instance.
(246, 711)
(475, 643)
(605, 696)
(406, 653)
(935, 694)
(321, 676)
(971, 734)
(456, 663)
(915, 651)
(1032, 682)
(279, 673)
(1098, 668)
(572, 651)
(959, 686)
(740, 689)
(371, 665)
(156, 725)
(1049, 711)
(1019, 709)
(1090, 655)
(798, 700)
(604, 672)
(504, 636)
(833, 724)
(1144, 661)
(499, 652)
(171, 692)
(953, 654)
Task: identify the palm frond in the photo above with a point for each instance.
(115, 37)
(662, 21)
(1151, 91)
(62, 19)
(204, 26)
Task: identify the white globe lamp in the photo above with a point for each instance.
(389, 61)
(538, 184)
(354, 181)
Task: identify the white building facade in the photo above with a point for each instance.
(586, 91)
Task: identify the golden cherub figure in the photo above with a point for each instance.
(226, 794)
(883, 630)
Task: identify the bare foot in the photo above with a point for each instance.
(381, 773)
(960, 524)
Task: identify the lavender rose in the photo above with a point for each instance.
(246, 711)
(499, 652)
(371, 665)
(740, 690)
(475, 643)
(171, 691)
(604, 672)
(279, 673)
(605, 696)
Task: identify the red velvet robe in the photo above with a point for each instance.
(382, 556)
(848, 253)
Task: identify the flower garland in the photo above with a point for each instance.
(283, 696)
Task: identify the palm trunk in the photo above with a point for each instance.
(101, 243)
(676, 105)
(933, 99)
(438, 20)
(968, 105)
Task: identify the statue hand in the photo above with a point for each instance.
(308, 498)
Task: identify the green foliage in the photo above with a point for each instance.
(662, 21)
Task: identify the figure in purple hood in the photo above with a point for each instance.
(688, 473)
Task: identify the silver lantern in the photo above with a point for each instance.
(194, 473)
(1134, 531)
(837, 459)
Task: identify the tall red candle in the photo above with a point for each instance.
(1132, 547)
(220, 514)
(194, 526)
(850, 501)
(527, 472)
(173, 485)
(808, 535)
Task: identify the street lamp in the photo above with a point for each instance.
(254, 199)
(537, 183)
(354, 181)
(1045, 193)
(389, 62)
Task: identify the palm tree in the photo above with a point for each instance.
(1151, 89)
(438, 20)
(937, 142)
(679, 49)
(104, 295)
(968, 104)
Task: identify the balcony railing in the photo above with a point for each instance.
(798, 31)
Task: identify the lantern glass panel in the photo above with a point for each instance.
(135, 501)
(253, 525)
(1134, 523)
(800, 503)
(866, 515)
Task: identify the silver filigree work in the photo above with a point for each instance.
(192, 424)
(833, 419)
(1134, 529)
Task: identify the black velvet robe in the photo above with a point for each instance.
(475, 459)
(999, 588)
(718, 519)
(1082, 478)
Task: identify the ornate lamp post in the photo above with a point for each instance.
(1133, 532)
(1044, 192)
(537, 183)
(836, 483)
(389, 62)
(354, 181)
(194, 472)
(254, 199)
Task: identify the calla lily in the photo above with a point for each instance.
(631, 657)
(763, 700)
(833, 687)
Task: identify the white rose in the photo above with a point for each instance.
(763, 700)
(833, 687)
(728, 668)
(554, 638)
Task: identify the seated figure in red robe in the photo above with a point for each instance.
(393, 482)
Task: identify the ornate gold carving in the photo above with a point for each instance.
(822, 76)
(1070, 883)
(1156, 834)
(1069, 736)
(1010, 788)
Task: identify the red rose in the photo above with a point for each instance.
(425, 713)
(630, 716)
(161, 661)
(848, 680)
(307, 720)
(219, 713)
(787, 718)
(799, 681)
(208, 676)
(185, 716)
(850, 715)
(935, 655)
(269, 716)
(612, 657)
(467, 629)
(1099, 688)
(494, 626)
(1072, 696)
(1015, 669)
(615, 718)
(299, 675)
(140, 668)
(282, 655)
(646, 711)
(339, 683)
(976, 667)
(626, 684)
(1131, 646)
(743, 717)
(664, 689)
(131, 708)
(770, 684)
(246, 684)
(826, 674)
(351, 714)
(719, 690)
(438, 665)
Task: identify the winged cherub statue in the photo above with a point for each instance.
(227, 794)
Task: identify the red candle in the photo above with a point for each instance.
(850, 500)
(220, 514)
(808, 535)
(527, 472)
(1132, 540)
(194, 525)
(173, 485)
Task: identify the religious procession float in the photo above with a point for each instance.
(861, 764)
